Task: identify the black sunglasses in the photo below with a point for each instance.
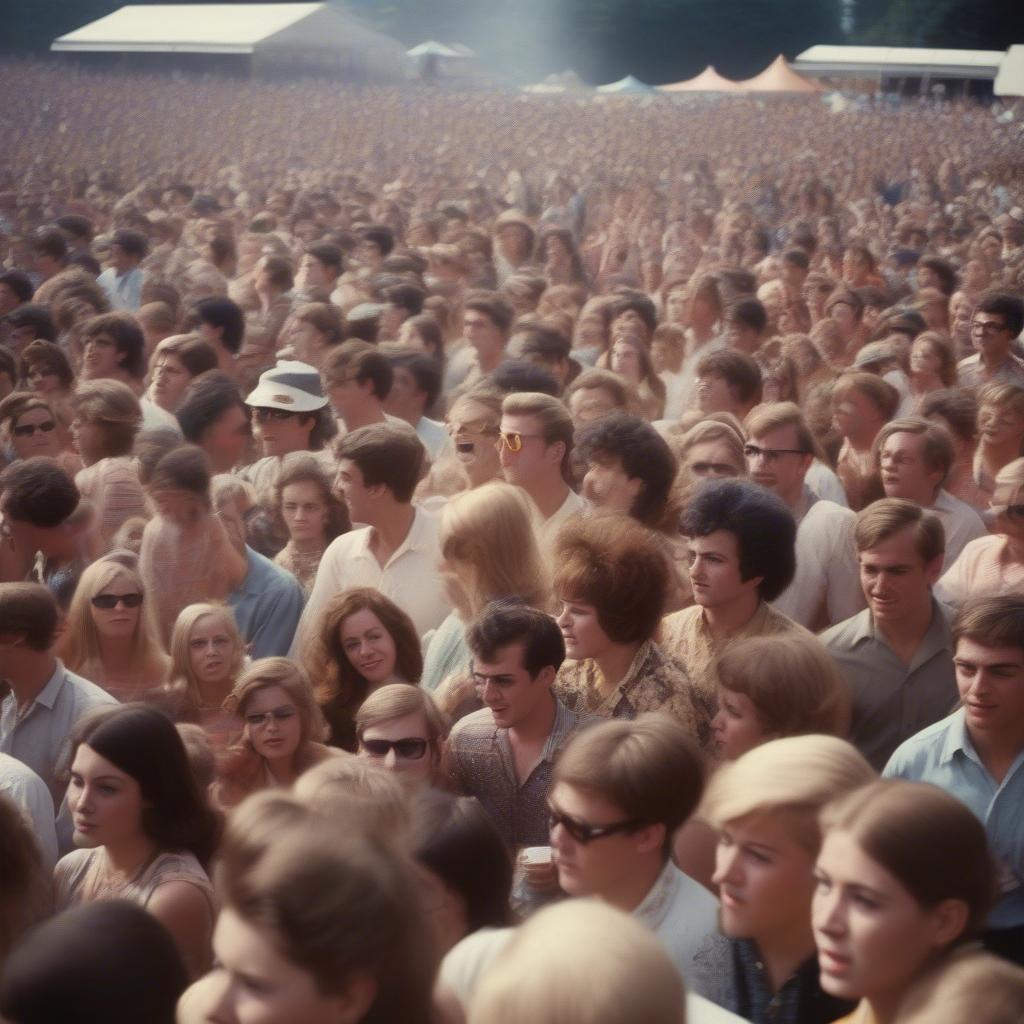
(261, 414)
(110, 601)
(411, 749)
(585, 833)
(28, 429)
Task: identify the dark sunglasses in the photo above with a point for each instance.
(261, 415)
(28, 429)
(585, 833)
(108, 602)
(411, 749)
(280, 714)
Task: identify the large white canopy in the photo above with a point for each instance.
(898, 61)
(1010, 80)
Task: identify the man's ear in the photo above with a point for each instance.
(546, 676)
(650, 838)
(352, 1004)
(553, 448)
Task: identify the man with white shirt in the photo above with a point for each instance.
(123, 279)
(396, 551)
(914, 457)
(780, 451)
(358, 379)
(416, 385)
(535, 444)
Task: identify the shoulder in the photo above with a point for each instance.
(84, 691)
(969, 361)
(472, 726)
(914, 756)
(681, 622)
(827, 511)
(346, 544)
(842, 634)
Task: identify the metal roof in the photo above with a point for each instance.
(187, 28)
(899, 60)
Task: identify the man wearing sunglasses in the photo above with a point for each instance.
(621, 791)
(504, 753)
(534, 448)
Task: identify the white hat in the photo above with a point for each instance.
(290, 385)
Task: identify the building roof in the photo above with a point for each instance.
(898, 60)
(1010, 80)
(221, 28)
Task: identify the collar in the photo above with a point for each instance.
(420, 538)
(48, 695)
(655, 904)
(956, 739)
(754, 626)
(935, 639)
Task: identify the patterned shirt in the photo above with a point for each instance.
(687, 636)
(654, 682)
(482, 765)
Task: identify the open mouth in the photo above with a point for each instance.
(465, 447)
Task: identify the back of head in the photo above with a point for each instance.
(108, 962)
(970, 988)
(581, 962)
(28, 610)
(39, 492)
(511, 621)
(798, 773)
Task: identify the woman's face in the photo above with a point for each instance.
(35, 433)
(924, 359)
(89, 438)
(736, 728)
(211, 650)
(304, 511)
(105, 803)
(999, 426)
(369, 647)
(711, 460)
(581, 630)
(401, 745)
(873, 937)
(272, 724)
(121, 620)
(625, 361)
(169, 380)
(253, 983)
(43, 380)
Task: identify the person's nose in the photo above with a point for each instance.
(718, 722)
(727, 866)
(391, 760)
(828, 916)
(562, 618)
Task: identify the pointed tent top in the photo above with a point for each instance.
(779, 77)
(709, 80)
(432, 48)
(627, 85)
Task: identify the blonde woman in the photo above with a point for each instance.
(207, 654)
(282, 730)
(488, 550)
(1000, 431)
(111, 636)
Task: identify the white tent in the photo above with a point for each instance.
(897, 62)
(432, 48)
(628, 86)
(316, 35)
(1010, 80)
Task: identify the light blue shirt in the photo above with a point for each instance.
(943, 755)
(267, 607)
(434, 436)
(123, 290)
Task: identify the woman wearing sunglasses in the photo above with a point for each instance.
(992, 565)
(111, 637)
(364, 641)
(282, 730)
(401, 729)
(30, 427)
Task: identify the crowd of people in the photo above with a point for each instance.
(473, 558)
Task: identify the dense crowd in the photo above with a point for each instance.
(474, 558)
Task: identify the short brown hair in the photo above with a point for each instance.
(792, 682)
(991, 622)
(386, 454)
(937, 453)
(618, 566)
(492, 305)
(556, 423)
(783, 414)
(649, 768)
(737, 369)
(887, 516)
(884, 396)
(1003, 393)
(29, 610)
(361, 360)
(114, 406)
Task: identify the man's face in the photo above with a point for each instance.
(226, 439)
(391, 320)
(856, 416)
(9, 300)
(101, 358)
(904, 471)
(482, 333)
(504, 685)
(714, 394)
(607, 486)
(991, 684)
(990, 334)
(351, 488)
(715, 570)
(765, 878)
(742, 337)
(318, 275)
(348, 397)
(842, 314)
(535, 459)
(780, 462)
(120, 259)
(405, 399)
(602, 866)
(589, 404)
(895, 579)
(279, 431)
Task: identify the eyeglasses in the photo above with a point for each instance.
(582, 831)
(409, 749)
(108, 602)
(475, 427)
(513, 440)
(751, 451)
(717, 468)
(1010, 511)
(987, 327)
(29, 429)
(261, 718)
(261, 415)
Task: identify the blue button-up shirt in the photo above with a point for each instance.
(267, 607)
(944, 755)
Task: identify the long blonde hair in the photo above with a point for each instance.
(183, 686)
(80, 645)
(490, 531)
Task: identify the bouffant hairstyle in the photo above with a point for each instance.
(619, 567)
